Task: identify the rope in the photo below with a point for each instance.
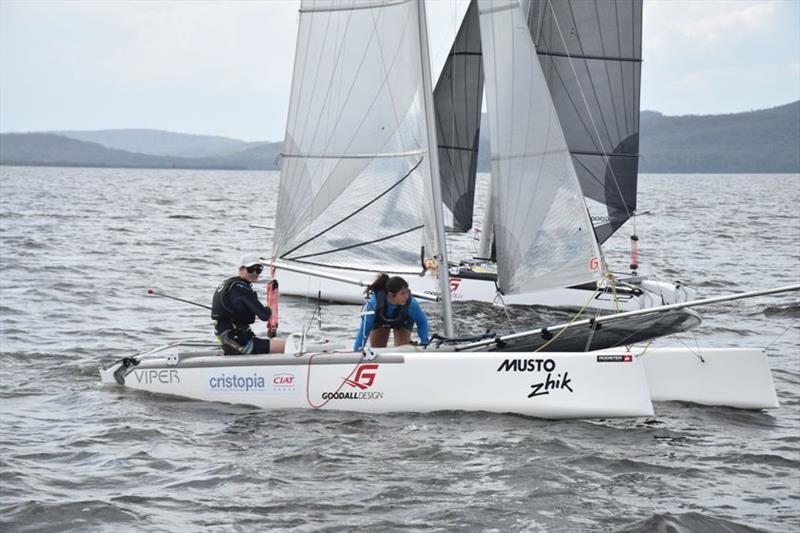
(498, 296)
(308, 381)
(610, 277)
(644, 350)
(557, 335)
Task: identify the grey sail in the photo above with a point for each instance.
(591, 53)
(457, 101)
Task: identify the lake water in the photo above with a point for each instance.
(79, 247)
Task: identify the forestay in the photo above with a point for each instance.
(457, 99)
(591, 53)
(543, 234)
(354, 173)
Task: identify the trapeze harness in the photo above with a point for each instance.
(232, 322)
(400, 321)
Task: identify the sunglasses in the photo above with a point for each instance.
(255, 269)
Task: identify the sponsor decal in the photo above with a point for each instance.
(455, 283)
(363, 395)
(435, 294)
(549, 384)
(527, 365)
(153, 377)
(362, 380)
(594, 263)
(234, 382)
(627, 358)
(284, 383)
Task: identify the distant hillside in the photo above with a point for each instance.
(767, 140)
(761, 141)
(156, 142)
(757, 141)
(47, 149)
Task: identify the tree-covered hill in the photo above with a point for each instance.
(761, 141)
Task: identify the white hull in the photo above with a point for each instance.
(733, 377)
(610, 383)
(652, 293)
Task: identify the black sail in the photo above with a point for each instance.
(591, 53)
(457, 100)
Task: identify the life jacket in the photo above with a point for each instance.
(221, 309)
(400, 320)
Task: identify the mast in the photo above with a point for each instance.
(436, 186)
(487, 230)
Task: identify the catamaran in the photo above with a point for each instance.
(361, 120)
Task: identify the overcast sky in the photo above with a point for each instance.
(225, 68)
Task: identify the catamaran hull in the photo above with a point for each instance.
(601, 384)
(733, 377)
(649, 293)
(557, 386)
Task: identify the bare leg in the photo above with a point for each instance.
(401, 337)
(379, 338)
(276, 345)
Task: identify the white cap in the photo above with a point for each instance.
(250, 260)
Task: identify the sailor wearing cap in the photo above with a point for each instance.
(235, 306)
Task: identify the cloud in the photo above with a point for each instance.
(686, 24)
(731, 21)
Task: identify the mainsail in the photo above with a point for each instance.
(543, 234)
(457, 99)
(591, 53)
(354, 172)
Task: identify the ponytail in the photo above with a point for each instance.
(378, 285)
(386, 284)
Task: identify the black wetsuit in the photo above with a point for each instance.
(234, 307)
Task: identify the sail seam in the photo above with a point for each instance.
(357, 269)
(615, 154)
(587, 56)
(387, 155)
(343, 248)
(386, 3)
(460, 148)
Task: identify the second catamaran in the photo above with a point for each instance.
(592, 76)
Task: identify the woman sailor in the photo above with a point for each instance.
(390, 307)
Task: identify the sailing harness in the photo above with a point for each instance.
(400, 320)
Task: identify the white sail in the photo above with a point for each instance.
(543, 233)
(354, 172)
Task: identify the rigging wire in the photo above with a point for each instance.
(790, 326)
